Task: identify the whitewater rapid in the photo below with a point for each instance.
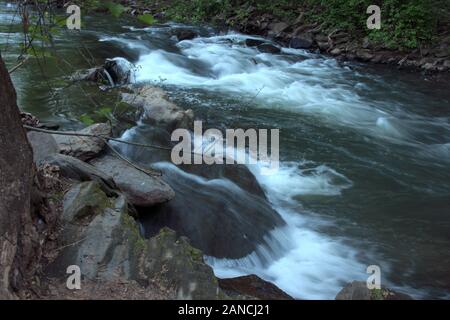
(307, 263)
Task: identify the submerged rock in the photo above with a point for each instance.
(141, 189)
(81, 147)
(184, 34)
(252, 287)
(158, 109)
(357, 290)
(302, 41)
(216, 214)
(253, 42)
(268, 48)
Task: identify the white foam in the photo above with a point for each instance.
(311, 265)
(311, 86)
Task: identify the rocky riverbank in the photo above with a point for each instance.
(98, 198)
(342, 45)
(302, 33)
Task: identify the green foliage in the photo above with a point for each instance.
(106, 114)
(405, 23)
(377, 294)
(87, 120)
(147, 19)
(116, 9)
(197, 10)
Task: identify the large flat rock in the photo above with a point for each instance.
(140, 189)
(84, 148)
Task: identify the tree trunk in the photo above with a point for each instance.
(16, 176)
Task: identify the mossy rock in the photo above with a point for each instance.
(84, 200)
(173, 262)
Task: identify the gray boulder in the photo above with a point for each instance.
(75, 169)
(102, 239)
(98, 235)
(43, 145)
(141, 189)
(302, 41)
(253, 42)
(173, 262)
(184, 34)
(117, 71)
(277, 28)
(268, 48)
(157, 109)
(84, 148)
(364, 55)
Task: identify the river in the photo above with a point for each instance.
(364, 177)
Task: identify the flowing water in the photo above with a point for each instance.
(364, 177)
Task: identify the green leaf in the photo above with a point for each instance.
(116, 9)
(147, 19)
(87, 120)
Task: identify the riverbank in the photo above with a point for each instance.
(302, 25)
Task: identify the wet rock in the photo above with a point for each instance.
(238, 174)
(201, 205)
(120, 70)
(442, 52)
(140, 189)
(75, 169)
(428, 66)
(336, 52)
(268, 48)
(323, 46)
(364, 55)
(91, 74)
(253, 42)
(377, 58)
(117, 71)
(277, 28)
(157, 109)
(84, 148)
(426, 60)
(252, 287)
(184, 34)
(303, 41)
(357, 290)
(366, 43)
(321, 38)
(43, 145)
(447, 64)
(340, 41)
